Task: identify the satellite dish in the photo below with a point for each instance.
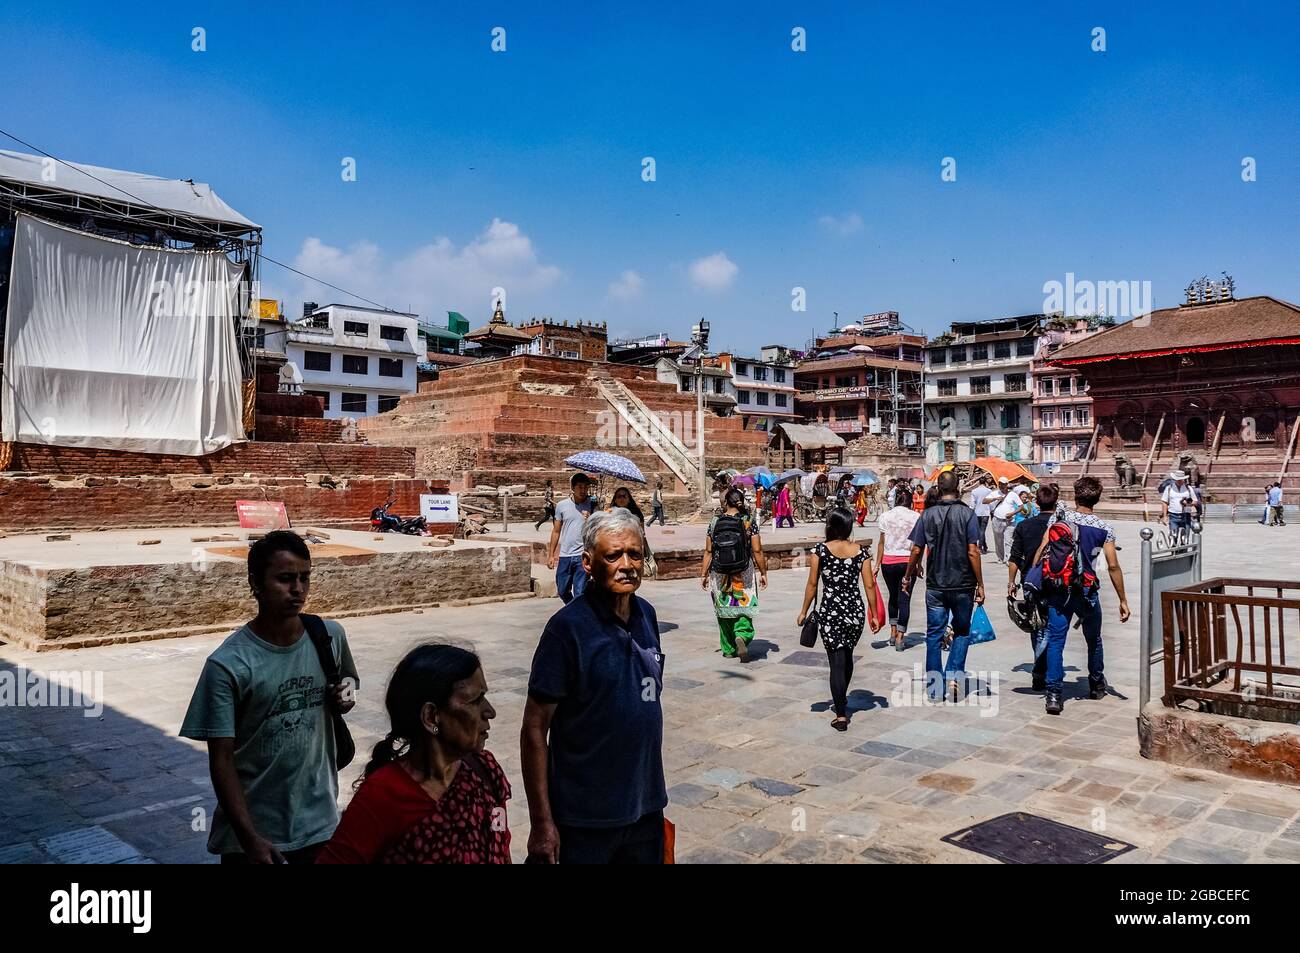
(290, 378)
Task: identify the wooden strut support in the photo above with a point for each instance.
(1290, 449)
(1218, 436)
(1151, 457)
(1087, 457)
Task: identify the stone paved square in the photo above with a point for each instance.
(755, 772)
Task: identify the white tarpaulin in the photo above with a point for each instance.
(115, 346)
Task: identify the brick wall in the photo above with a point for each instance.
(260, 457)
(32, 504)
(280, 429)
(76, 607)
(289, 405)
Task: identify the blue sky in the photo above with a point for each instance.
(775, 169)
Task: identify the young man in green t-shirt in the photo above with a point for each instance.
(264, 708)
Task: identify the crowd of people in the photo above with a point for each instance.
(271, 699)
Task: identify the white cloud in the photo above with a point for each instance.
(714, 273)
(432, 278)
(629, 285)
(845, 225)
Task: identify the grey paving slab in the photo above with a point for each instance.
(902, 776)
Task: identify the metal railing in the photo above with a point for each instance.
(1225, 643)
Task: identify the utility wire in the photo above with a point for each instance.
(200, 224)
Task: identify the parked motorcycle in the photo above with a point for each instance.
(382, 521)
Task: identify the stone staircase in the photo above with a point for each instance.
(648, 426)
(1237, 475)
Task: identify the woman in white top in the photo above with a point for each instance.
(895, 549)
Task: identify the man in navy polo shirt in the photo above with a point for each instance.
(592, 738)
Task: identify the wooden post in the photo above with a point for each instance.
(1290, 449)
(1218, 436)
(1087, 457)
(1155, 444)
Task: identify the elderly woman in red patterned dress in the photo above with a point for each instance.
(431, 794)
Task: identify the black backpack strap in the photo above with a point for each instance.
(320, 638)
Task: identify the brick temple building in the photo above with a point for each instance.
(1217, 377)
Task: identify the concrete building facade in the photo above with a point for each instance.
(1063, 421)
(358, 361)
(763, 386)
(978, 396)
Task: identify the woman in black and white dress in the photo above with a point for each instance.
(840, 565)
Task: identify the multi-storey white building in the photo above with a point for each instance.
(358, 360)
(979, 390)
(763, 386)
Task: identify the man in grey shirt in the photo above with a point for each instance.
(564, 553)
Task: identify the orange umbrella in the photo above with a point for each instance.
(935, 475)
(1004, 468)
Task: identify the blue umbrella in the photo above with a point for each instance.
(759, 471)
(866, 478)
(610, 464)
(788, 475)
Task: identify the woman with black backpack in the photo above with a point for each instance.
(732, 553)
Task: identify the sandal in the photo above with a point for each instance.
(841, 723)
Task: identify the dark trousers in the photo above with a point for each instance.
(641, 842)
(658, 515)
(940, 604)
(789, 521)
(841, 673)
(570, 578)
(1061, 610)
(1040, 661)
(900, 602)
(984, 525)
(303, 855)
(547, 514)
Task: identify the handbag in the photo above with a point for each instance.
(345, 747)
(880, 612)
(670, 842)
(808, 634)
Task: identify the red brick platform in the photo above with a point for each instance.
(515, 420)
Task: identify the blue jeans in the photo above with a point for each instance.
(1180, 525)
(570, 577)
(1061, 610)
(938, 604)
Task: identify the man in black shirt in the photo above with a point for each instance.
(592, 738)
(954, 583)
(1025, 540)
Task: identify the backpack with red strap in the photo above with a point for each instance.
(1062, 564)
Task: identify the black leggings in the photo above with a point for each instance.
(900, 603)
(841, 672)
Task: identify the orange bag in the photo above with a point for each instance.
(670, 842)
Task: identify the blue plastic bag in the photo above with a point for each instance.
(981, 629)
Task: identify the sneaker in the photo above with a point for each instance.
(1097, 689)
(1054, 704)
